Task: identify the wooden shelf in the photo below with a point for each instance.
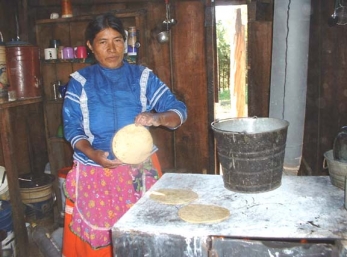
(75, 60)
(8, 104)
(129, 58)
(119, 13)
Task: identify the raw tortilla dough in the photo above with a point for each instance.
(202, 213)
(132, 144)
(173, 196)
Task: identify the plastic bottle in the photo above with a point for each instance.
(132, 49)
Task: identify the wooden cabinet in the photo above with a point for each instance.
(70, 31)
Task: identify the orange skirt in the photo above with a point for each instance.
(73, 246)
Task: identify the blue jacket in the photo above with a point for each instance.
(100, 101)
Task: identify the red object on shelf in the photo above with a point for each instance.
(66, 9)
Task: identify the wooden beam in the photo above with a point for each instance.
(19, 227)
(211, 67)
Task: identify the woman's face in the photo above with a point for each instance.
(108, 48)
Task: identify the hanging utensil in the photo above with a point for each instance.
(17, 27)
(164, 35)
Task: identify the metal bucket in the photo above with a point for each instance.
(337, 169)
(23, 70)
(37, 196)
(251, 152)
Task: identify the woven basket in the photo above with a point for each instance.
(337, 170)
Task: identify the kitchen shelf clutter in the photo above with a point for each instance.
(70, 32)
(75, 60)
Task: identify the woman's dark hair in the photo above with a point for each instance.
(101, 22)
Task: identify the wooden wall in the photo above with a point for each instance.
(259, 52)
(326, 107)
(7, 19)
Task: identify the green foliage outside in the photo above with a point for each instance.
(224, 95)
(223, 54)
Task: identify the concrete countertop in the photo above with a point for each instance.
(302, 207)
(309, 208)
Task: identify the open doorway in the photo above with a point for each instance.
(231, 36)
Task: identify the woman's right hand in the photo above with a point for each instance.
(98, 156)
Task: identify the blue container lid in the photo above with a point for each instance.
(5, 216)
(8, 227)
(5, 209)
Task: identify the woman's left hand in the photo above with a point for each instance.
(148, 119)
(167, 119)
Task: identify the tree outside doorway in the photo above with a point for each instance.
(231, 32)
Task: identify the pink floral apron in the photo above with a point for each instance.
(101, 197)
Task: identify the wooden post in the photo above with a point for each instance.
(7, 135)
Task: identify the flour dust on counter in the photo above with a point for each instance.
(173, 196)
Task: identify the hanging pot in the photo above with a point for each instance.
(164, 35)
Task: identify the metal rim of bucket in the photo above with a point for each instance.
(337, 169)
(27, 181)
(329, 157)
(285, 125)
(36, 189)
(33, 196)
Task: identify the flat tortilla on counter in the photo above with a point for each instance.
(173, 196)
(203, 213)
(132, 144)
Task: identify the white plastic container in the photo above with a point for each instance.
(4, 192)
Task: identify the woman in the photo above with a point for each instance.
(100, 100)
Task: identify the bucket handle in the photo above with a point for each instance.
(325, 166)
